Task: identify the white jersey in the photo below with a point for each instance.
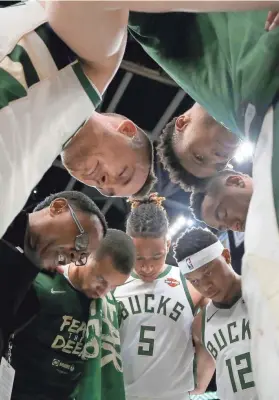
(44, 99)
(260, 265)
(155, 333)
(226, 336)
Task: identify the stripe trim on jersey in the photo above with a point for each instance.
(162, 274)
(87, 85)
(10, 88)
(63, 56)
(186, 290)
(20, 55)
(203, 326)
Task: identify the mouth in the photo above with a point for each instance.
(213, 294)
(148, 277)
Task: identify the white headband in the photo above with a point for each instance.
(197, 260)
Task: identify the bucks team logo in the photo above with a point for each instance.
(189, 263)
(172, 282)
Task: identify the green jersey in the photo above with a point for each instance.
(103, 376)
(226, 62)
(47, 354)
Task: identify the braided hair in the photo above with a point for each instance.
(147, 218)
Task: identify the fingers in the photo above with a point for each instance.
(272, 21)
(275, 23)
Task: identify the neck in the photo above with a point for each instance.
(234, 292)
(32, 234)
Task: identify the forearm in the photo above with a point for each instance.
(205, 369)
(196, 6)
(91, 29)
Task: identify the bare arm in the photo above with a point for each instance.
(205, 362)
(194, 6)
(95, 33)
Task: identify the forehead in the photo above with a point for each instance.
(199, 273)
(146, 246)
(107, 270)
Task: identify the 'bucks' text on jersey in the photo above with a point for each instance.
(226, 335)
(155, 333)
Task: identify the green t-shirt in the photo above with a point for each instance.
(103, 375)
(226, 62)
(47, 353)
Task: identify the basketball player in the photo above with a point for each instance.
(157, 310)
(238, 86)
(50, 354)
(221, 331)
(49, 90)
(197, 140)
(34, 57)
(225, 201)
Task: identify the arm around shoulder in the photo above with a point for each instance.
(205, 362)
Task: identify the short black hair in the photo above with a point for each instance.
(171, 163)
(79, 201)
(192, 241)
(213, 186)
(120, 248)
(147, 218)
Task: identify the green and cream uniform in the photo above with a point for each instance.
(226, 336)
(47, 354)
(45, 98)
(71, 350)
(155, 333)
(229, 64)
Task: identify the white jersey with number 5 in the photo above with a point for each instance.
(226, 335)
(155, 332)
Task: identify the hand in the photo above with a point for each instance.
(272, 21)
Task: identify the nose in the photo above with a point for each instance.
(102, 180)
(147, 268)
(207, 285)
(102, 290)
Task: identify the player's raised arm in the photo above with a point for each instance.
(194, 6)
(205, 362)
(96, 33)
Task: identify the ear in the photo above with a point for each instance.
(128, 128)
(227, 256)
(58, 206)
(168, 245)
(182, 122)
(235, 180)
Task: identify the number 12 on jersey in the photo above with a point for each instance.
(243, 360)
(146, 340)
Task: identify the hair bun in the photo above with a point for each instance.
(153, 198)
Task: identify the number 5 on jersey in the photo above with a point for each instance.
(146, 340)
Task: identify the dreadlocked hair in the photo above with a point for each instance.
(148, 218)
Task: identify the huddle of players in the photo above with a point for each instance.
(158, 314)
(206, 201)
